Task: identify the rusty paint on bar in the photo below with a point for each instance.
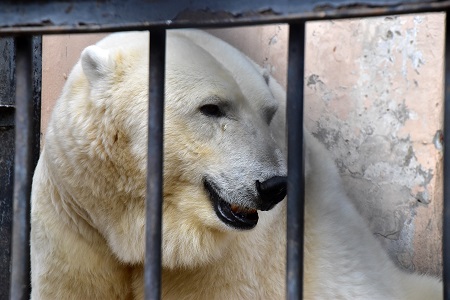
(155, 165)
(20, 274)
(296, 178)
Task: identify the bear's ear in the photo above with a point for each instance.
(96, 63)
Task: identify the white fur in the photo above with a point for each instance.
(88, 207)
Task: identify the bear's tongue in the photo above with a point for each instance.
(237, 216)
(242, 210)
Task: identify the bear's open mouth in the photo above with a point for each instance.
(236, 216)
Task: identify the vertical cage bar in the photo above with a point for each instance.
(296, 180)
(20, 273)
(446, 204)
(155, 165)
(7, 111)
(37, 88)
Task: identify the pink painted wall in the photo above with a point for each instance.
(59, 55)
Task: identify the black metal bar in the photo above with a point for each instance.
(155, 165)
(20, 273)
(6, 196)
(64, 16)
(446, 204)
(37, 87)
(7, 69)
(296, 178)
(7, 111)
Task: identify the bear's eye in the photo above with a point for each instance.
(212, 110)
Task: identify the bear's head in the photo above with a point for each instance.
(224, 160)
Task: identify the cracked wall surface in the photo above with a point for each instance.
(373, 97)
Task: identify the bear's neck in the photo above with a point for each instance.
(256, 258)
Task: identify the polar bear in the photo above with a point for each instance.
(225, 171)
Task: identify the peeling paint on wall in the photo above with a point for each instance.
(375, 101)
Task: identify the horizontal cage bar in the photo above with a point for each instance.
(62, 16)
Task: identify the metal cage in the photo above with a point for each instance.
(23, 22)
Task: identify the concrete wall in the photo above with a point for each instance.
(59, 55)
(373, 96)
(374, 91)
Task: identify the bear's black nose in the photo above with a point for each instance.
(271, 191)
